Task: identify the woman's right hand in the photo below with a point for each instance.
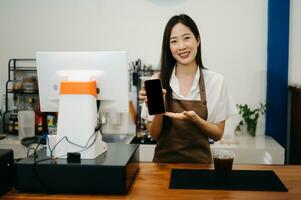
(143, 97)
(142, 94)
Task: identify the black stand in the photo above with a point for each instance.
(6, 170)
(110, 173)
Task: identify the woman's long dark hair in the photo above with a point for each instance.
(168, 62)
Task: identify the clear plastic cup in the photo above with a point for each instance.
(223, 162)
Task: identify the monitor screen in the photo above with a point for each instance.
(107, 68)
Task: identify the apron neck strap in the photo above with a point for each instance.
(202, 88)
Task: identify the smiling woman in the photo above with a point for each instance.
(197, 100)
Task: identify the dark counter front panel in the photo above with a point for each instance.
(6, 170)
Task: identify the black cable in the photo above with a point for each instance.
(83, 148)
(44, 186)
(86, 146)
(30, 148)
(36, 148)
(70, 142)
(47, 140)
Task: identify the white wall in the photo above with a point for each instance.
(234, 33)
(295, 43)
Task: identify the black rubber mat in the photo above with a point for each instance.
(253, 180)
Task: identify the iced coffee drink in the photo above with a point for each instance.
(223, 161)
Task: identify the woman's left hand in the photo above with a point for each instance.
(186, 115)
(214, 131)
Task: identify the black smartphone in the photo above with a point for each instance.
(155, 101)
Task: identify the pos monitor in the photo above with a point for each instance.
(66, 80)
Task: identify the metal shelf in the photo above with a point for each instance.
(17, 66)
(23, 69)
(22, 92)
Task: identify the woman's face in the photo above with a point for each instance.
(183, 44)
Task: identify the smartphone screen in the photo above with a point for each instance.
(154, 95)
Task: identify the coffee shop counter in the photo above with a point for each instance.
(152, 182)
(248, 150)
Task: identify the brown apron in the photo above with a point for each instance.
(181, 140)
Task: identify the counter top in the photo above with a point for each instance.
(152, 182)
(20, 151)
(13, 142)
(261, 149)
(248, 150)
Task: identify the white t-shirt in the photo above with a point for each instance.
(219, 102)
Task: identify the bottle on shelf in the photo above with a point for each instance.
(20, 102)
(51, 123)
(18, 86)
(38, 119)
(13, 126)
(10, 124)
(29, 105)
(29, 84)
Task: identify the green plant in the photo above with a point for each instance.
(250, 117)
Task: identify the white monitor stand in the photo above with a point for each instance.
(77, 121)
